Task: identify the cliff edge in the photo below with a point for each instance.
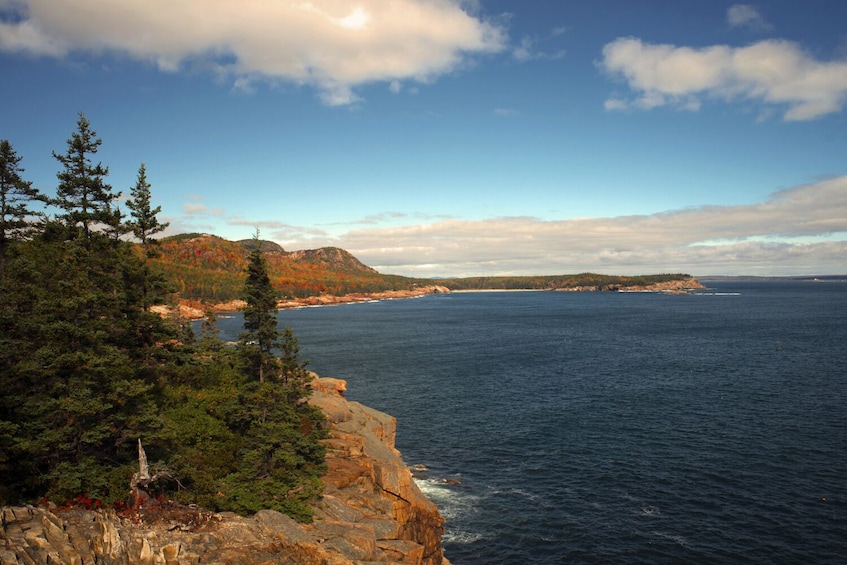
(371, 511)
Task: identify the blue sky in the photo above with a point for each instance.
(457, 138)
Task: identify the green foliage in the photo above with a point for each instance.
(76, 355)
(260, 333)
(145, 222)
(278, 449)
(86, 370)
(82, 193)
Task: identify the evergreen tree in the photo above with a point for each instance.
(280, 460)
(144, 222)
(116, 228)
(82, 193)
(79, 357)
(16, 196)
(260, 323)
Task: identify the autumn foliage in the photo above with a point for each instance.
(211, 269)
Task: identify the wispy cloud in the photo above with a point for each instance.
(746, 16)
(773, 73)
(527, 50)
(328, 44)
(200, 209)
(798, 230)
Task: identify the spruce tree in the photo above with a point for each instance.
(16, 197)
(260, 325)
(280, 459)
(144, 222)
(83, 194)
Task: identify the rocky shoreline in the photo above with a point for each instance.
(371, 511)
(192, 310)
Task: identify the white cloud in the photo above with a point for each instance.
(745, 15)
(798, 230)
(332, 45)
(775, 73)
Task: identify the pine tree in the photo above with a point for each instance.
(144, 222)
(260, 324)
(82, 192)
(16, 196)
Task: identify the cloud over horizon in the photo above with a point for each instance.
(771, 72)
(792, 232)
(326, 44)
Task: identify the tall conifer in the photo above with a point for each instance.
(82, 193)
(260, 324)
(144, 222)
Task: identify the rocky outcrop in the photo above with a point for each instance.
(329, 299)
(331, 258)
(371, 512)
(675, 287)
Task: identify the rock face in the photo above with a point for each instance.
(371, 512)
(369, 485)
(332, 258)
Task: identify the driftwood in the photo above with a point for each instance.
(140, 482)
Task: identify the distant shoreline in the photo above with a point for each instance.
(501, 290)
(194, 310)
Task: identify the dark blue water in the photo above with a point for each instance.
(611, 428)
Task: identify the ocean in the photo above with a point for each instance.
(556, 427)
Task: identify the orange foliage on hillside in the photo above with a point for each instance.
(211, 269)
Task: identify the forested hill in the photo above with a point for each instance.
(211, 269)
(208, 268)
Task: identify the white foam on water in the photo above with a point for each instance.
(455, 506)
(459, 536)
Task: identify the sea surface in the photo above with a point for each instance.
(555, 427)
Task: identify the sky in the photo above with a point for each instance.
(437, 138)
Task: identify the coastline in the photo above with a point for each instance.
(194, 310)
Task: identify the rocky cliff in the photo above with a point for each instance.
(371, 512)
